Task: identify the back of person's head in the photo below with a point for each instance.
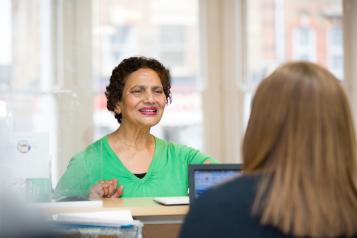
(301, 139)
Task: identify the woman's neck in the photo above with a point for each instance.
(138, 139)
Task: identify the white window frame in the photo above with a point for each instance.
(350, 53)
(73, 62)
(222, 24)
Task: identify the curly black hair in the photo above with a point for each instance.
(120, 73)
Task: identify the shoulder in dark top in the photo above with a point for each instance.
(225, 211)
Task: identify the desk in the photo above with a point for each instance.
(159, 221)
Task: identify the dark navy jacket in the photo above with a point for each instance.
(225, 211)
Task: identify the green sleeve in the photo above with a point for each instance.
(76, 181)
(196, 157)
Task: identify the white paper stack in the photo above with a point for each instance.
(102, 218)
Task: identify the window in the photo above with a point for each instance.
(172, 45)
(283, 30)
(335, 51)
(27, 97)
(304, 44)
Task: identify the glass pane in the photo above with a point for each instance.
(26, 144)
(283, 30)
(28, 110)
(165, 30)
(5, 44)
(25, 45)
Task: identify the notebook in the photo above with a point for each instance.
(205, 176)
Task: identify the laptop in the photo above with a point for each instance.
(202, 177)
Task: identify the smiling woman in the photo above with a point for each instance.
(131, 156)
(143, 100)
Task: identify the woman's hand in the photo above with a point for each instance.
(106, 189)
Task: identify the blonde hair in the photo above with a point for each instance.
(301, 139)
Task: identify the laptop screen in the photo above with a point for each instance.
(204, 176)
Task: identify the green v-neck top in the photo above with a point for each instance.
(167, 174)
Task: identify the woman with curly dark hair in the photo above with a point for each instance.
(131, 157)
